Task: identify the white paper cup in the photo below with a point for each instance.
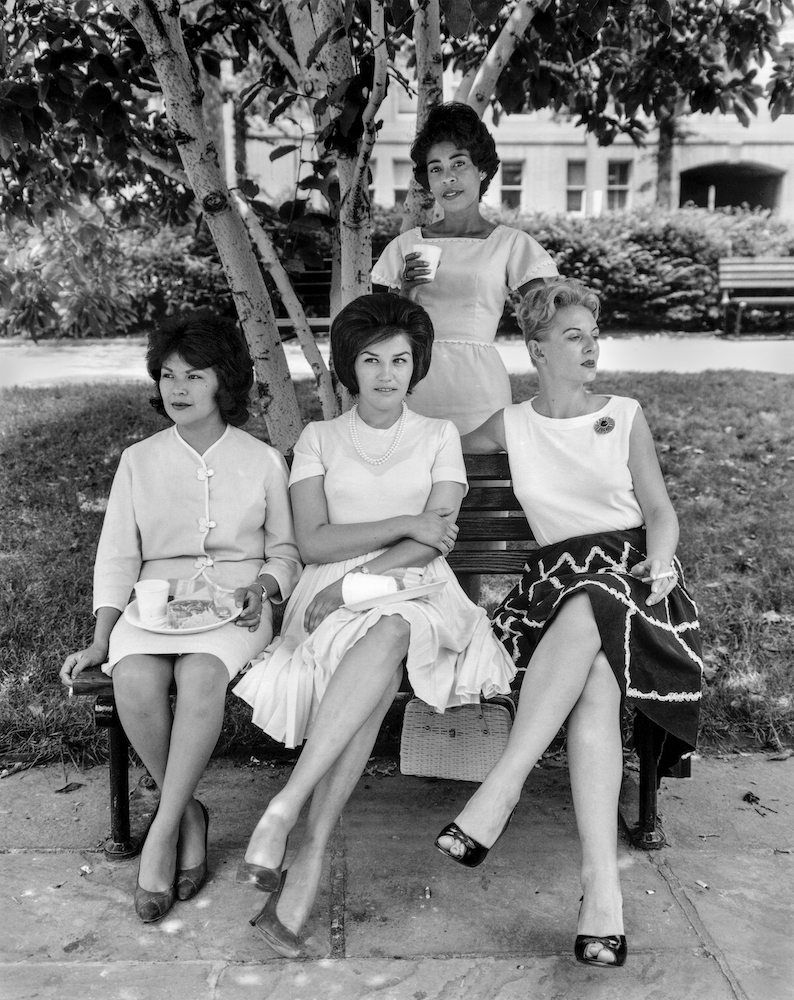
(364, 586)
(430, 255)
(152, 598)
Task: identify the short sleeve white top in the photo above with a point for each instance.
(571, 476)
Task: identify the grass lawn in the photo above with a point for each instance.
(725, 442)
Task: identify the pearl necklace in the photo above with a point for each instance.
(392, 447)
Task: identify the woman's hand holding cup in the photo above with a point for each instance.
(420, 265)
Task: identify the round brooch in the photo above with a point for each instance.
(604, 425)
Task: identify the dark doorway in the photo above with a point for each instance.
(718, 185)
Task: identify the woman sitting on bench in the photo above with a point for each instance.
(373, 492)
(201, 499)
(601, 614)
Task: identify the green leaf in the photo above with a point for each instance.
(95, 99)
(211, 61)
(591, 15)
(487, 11)
(282, 151)
(457, 14)
(11, 127)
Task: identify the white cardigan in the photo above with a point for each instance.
(173, 513)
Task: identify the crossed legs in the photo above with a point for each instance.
(331, 762)
(174, 748)
(568, 677)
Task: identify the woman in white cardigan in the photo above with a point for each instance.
(201, 499)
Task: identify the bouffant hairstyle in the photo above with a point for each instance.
(203, 339)
(371, 319)
(539, 306)
(459, 124)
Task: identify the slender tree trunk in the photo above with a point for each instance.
(157, 22)
(419, 204)
(664, 161)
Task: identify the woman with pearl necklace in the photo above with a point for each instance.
(375, 492)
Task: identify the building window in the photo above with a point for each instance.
(577, 185)
(512, 172)
(618, 177)
(403, 172)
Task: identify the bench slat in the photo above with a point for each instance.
(490, 498)
(480, 561)
(480, 529)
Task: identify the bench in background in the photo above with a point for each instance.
(490, 513)
(755, 281)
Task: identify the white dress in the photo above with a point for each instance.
(467, 381)
(453, 656)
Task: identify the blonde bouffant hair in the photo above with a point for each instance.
(539, 306)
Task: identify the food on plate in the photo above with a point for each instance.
(193, 613)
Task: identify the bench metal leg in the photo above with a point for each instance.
(648, 834)
(119, 846)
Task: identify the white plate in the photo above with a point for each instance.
(160, 626)
(402, 595)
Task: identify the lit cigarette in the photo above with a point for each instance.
(659, 576)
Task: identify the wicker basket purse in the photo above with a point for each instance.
(464, 743)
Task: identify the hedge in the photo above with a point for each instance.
(654, 270)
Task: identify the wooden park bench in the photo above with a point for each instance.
(490, 491)
(755, 281)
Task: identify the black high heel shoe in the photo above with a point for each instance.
(615, 944)
(276, 935)
(190, 880)
(473, 851)
(151, 906)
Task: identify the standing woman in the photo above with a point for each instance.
(200, 499)
(481, 263)
(601, 615)
(373, 491)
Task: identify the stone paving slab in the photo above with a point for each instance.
(651, 977)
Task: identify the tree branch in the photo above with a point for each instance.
(288, 62)
(161, 165)
(376, 95)
(500, 52)
(271, 262)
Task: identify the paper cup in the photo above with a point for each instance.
(364, 586)
(430, 255)
(152, 598)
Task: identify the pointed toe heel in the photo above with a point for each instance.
(277, 937)
(190, 880)
(614, 944)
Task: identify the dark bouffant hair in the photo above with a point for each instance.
(203, 339)
(459, 124)
(371, 319)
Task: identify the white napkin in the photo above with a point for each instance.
(364, 586)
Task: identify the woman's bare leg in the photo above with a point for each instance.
(355, 692)
(327, 802)
(554, 680)
(175, 750)
(595, 761)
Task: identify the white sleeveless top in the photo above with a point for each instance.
(570, 477)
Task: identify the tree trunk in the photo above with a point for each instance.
(664, 161)
(419, 204)
(160, 32)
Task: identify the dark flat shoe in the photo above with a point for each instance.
(190, 880)
(276, 935)
(473, 851)
(614, 943)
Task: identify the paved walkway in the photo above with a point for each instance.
(708, 917)
(25, 363)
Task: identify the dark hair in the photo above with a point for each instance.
(536, 312)
(203, 339)
(371, 319)
(459, 124)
